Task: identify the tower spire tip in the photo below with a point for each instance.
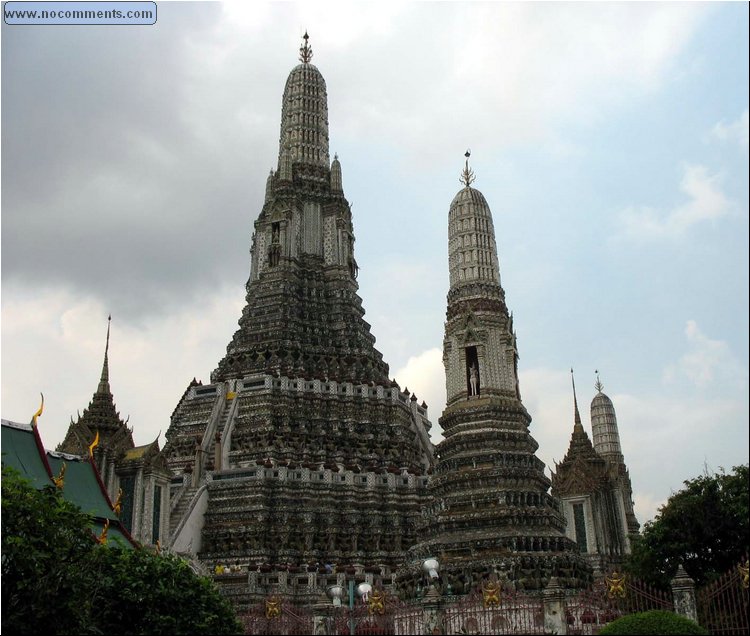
(305, 51)
(598, 385)
(467, 176)
(577, 415)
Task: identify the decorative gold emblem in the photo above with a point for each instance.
(744, 569)
(231, 395)
(491, 594)
(376, 603)
(615, 585)
(117, 506)
(60, 479)
(103, 536)
(273, 607)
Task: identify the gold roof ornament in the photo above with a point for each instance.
(103, 536)
(38, 413)
(117, 506)
(467, 176)
(305, 51)
(60, 479)
(615, 585)
(94, 444)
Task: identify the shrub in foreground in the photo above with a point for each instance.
(653, 622)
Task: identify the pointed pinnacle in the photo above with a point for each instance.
(577, 415)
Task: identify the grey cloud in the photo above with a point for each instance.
(131, 171)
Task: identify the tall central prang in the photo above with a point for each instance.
(301, 462)
(303, 315)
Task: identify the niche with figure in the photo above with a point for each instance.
(472, 372)
(274, 252)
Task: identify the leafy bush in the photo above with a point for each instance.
(653, 622)
(57, 580)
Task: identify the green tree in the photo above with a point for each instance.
(45, 539)
(705, 526)
(57, 580)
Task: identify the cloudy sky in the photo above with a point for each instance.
(610, 140)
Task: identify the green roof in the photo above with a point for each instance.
(20, 451)
(81, 486)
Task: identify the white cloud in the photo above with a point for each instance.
(668, 437)
(507, 70)
(53, 342)
(736, 131)
(424, 375)
(694, 429)
(706, 362)
(706, 203)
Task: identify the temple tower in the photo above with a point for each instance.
(607, 444)
(300, 454)
(101, 421)
(491, 510)
(137, 476)
(594, 488)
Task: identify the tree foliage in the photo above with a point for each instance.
(57, 580)
(705, 526)
(45, 538)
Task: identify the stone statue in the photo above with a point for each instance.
(473, 379)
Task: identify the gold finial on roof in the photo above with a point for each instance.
(467, 176)
(102, 539)
(38, 413)
(117, 506)
(305, 51)
(60, 479)
(94, 444)
(598, 386)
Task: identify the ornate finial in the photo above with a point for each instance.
(102, 539)
(575, 399)
(60, 479)
(117, 506)
(305, 52)
(38, 413)
(467, 176)
(598, 386)
(94, 444)
(104, 380)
